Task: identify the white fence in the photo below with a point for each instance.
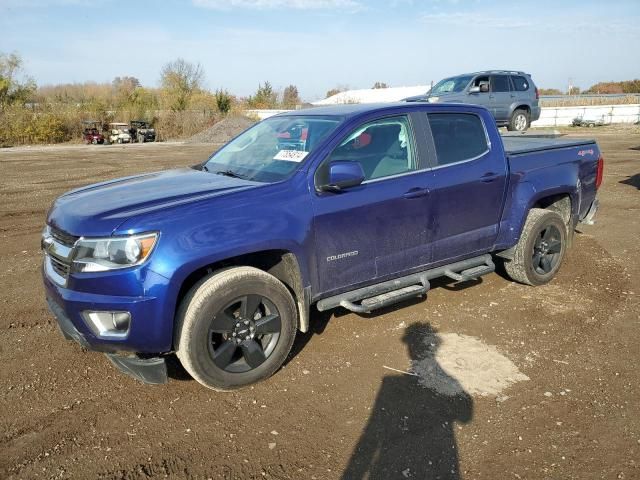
(549, 116)
(560, 116)
(262, 114)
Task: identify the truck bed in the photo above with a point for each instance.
(521, 145)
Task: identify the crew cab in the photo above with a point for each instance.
(222, 262)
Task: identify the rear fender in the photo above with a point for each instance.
(524, 198)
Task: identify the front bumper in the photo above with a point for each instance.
(139, 291)
(151, 370)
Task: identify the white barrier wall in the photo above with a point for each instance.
(549, 116)
(262, 114)
(560, 116)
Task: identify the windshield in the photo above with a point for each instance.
(272, 149)
(451, 85)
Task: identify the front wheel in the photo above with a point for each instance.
(520, 121)
(540, 250)
(235, 327)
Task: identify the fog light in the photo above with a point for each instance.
(108, 324)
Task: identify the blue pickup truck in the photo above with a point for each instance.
(221, 263)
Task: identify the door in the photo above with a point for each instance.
(483, 97)
(467, 187)
(377, 228)
(501, 97)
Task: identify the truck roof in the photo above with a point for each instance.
(355, 109)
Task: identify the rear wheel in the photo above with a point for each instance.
(235, 327)
(540, 250)
(520, 121)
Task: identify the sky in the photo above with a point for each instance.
(320, 44)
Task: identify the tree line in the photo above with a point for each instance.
(623, 87)
(181, 105)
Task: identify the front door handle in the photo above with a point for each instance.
(416, 193)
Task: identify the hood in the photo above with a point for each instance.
(97, 210)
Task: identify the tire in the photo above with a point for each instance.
(520, 121)
(222, 351)
(540, 250)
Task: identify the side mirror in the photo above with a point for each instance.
(343, 174)
(474, 90)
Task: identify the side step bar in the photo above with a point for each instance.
(399, 289)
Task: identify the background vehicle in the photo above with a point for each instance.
(91, 132)
(142, 132)
(510, 96)
(589, 121)
(221, 263)
(119, 133)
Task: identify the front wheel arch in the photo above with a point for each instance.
(282, 264)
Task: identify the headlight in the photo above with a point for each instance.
(101, 254)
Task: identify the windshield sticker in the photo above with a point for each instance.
(291, 155)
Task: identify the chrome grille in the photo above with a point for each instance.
(58, 249)
(59, 267)
(63, 237)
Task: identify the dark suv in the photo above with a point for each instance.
(510, 96)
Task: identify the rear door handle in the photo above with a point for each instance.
(489, 177)
(416, 193)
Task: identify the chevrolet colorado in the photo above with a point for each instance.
(221, 263)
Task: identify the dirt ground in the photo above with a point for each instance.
(341, 407)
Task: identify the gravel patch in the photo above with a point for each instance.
(458, 364)
(223, 131)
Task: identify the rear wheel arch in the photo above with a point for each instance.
(562, 203)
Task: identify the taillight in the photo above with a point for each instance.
(537, 94)
(599, 171)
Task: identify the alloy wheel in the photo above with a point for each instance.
(244, 333)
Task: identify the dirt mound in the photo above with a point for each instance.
(223, 131)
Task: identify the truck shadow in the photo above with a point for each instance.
(411, 430)
(633, 180)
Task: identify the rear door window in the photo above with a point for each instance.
(500, 83)
(520, 83)
(458, 137)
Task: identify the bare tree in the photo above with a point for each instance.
(15, 87)
(179, 81)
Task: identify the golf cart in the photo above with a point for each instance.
(142, 132)
(119, 133)
(91, 132)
